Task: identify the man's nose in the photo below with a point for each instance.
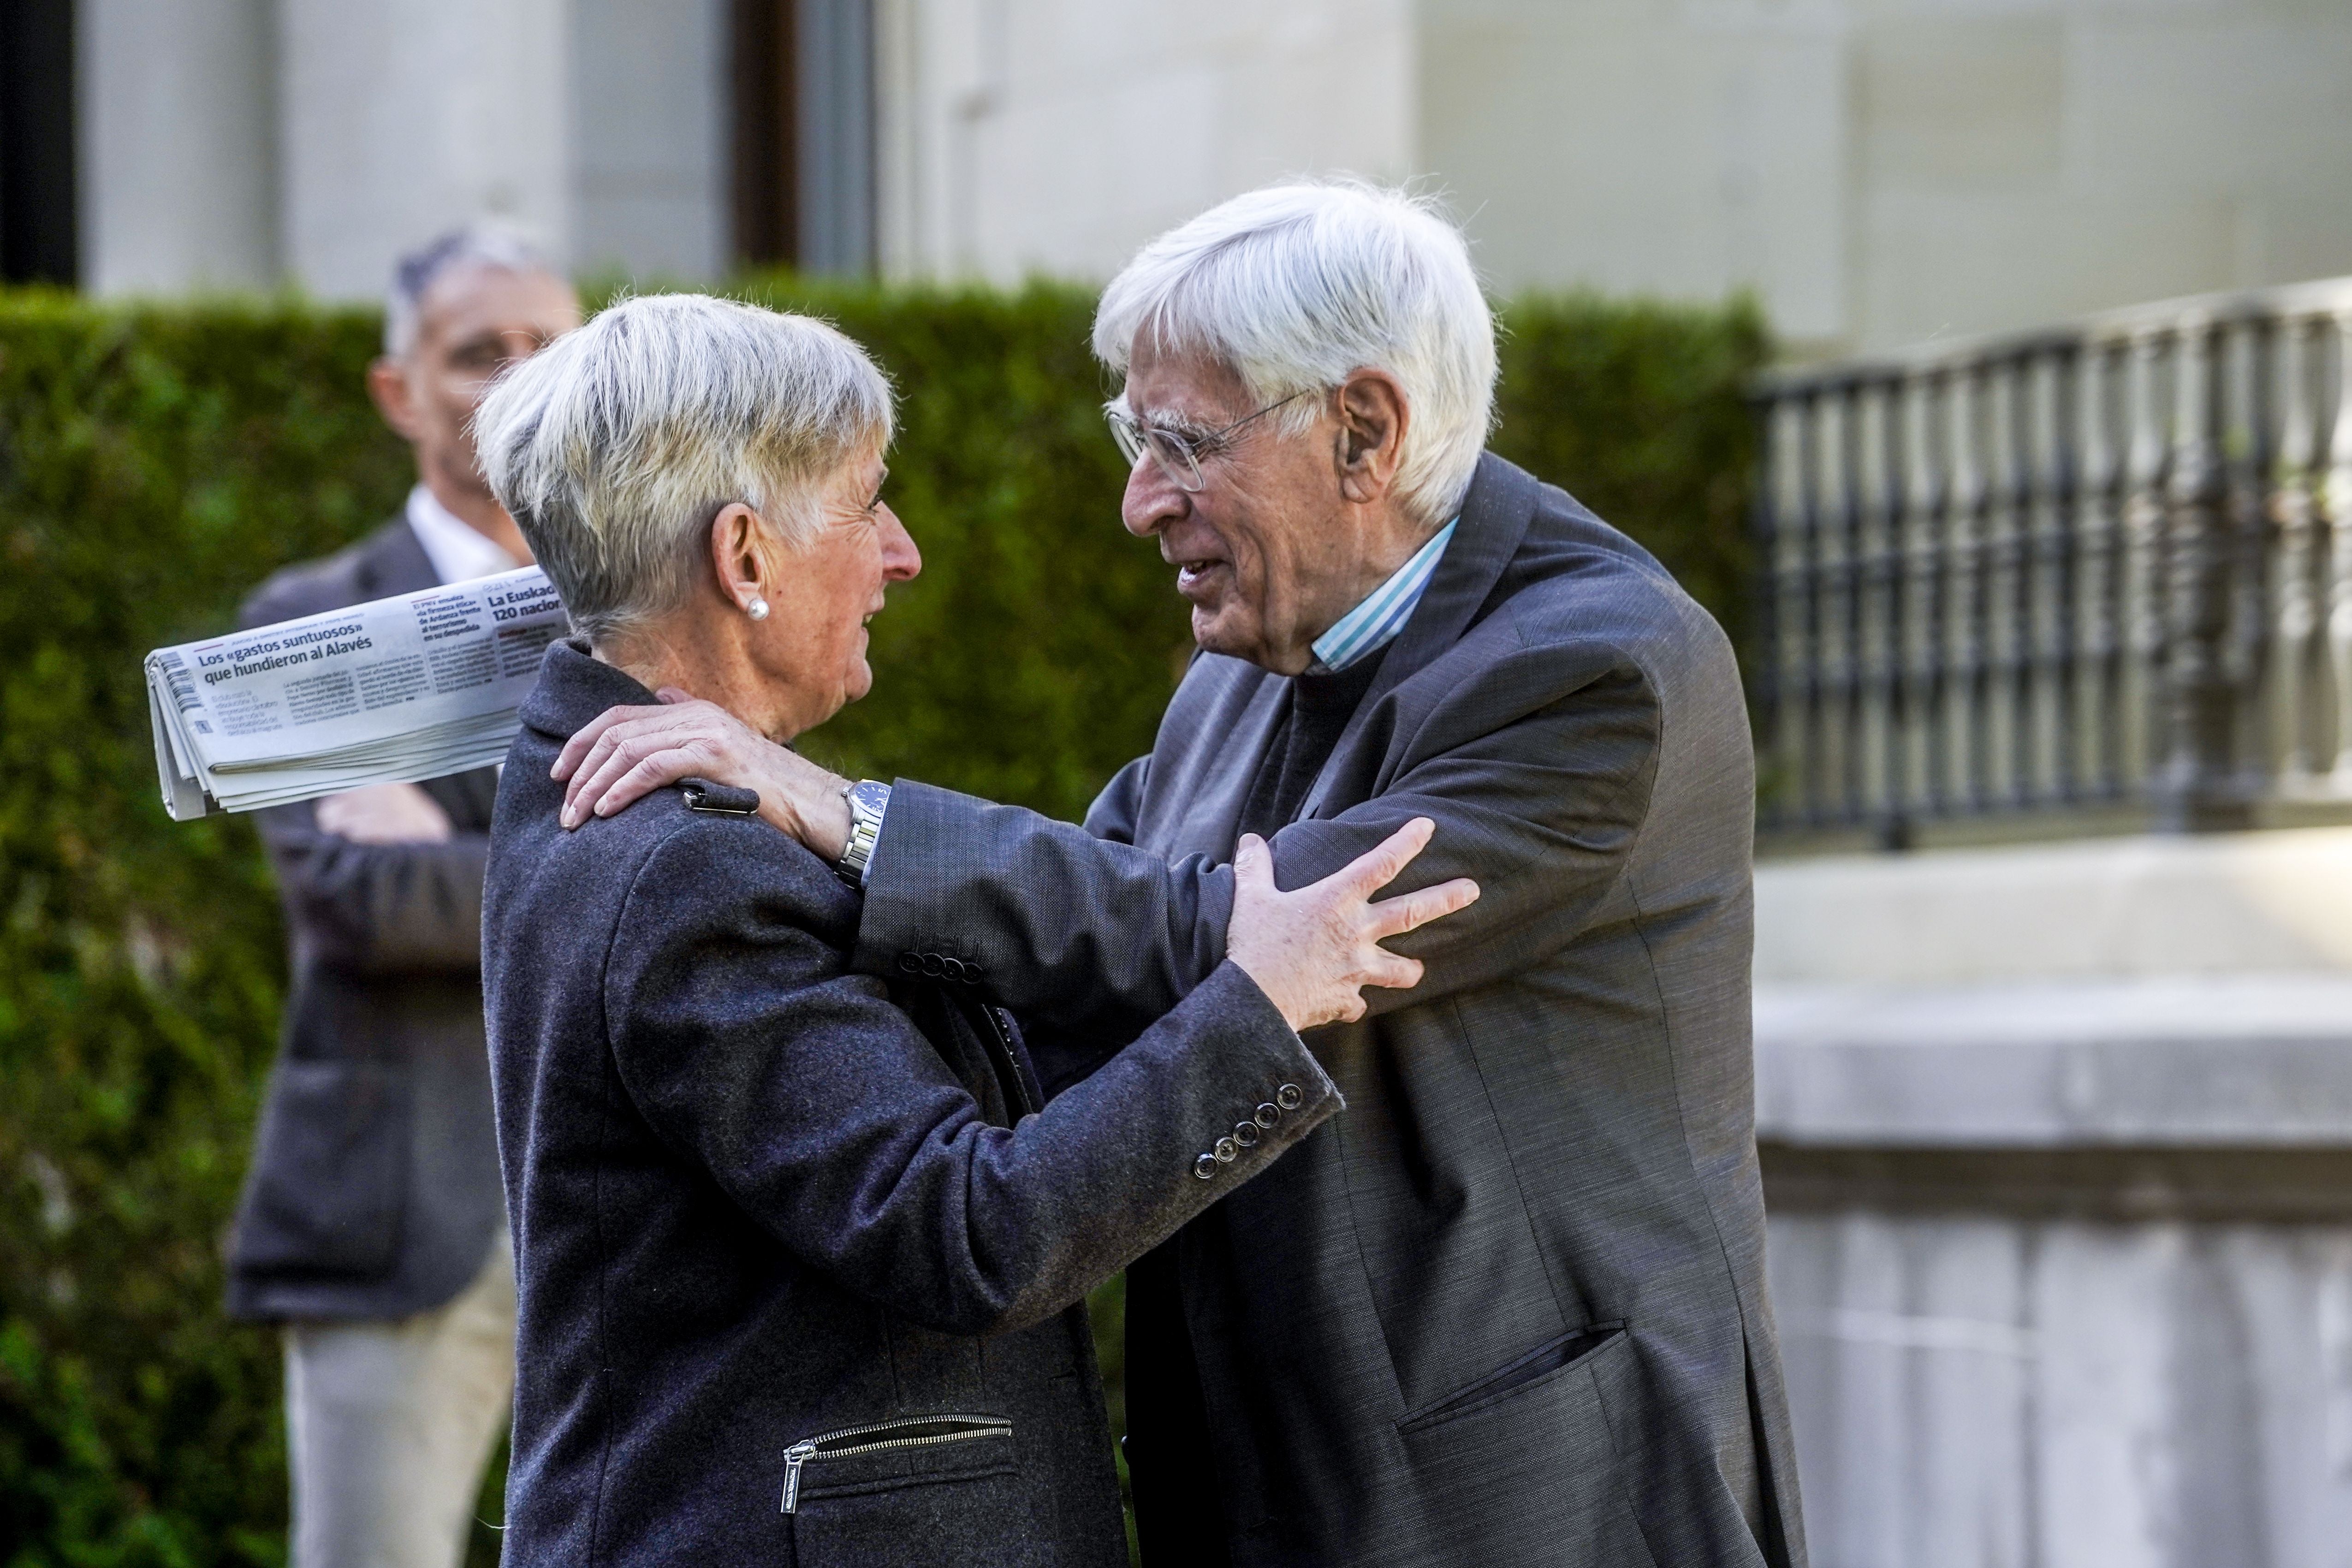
(900, 560)
(1152, 501)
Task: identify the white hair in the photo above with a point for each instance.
(1294, 287)
(489, 244)
(616, 447)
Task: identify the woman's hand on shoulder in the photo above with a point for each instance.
(626, 753)
(1314, 949)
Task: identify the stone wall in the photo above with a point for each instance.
(246, 143)
(1883, 171)
(1056, 136)
(2058, 1154)
(1878, 172)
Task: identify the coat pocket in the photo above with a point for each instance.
(917, 1490)
(1525, 1454)
(1546, 1360)
(330, 1178)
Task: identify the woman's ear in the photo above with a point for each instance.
(738, 559)
(1373, 415)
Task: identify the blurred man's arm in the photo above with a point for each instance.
(380, 882)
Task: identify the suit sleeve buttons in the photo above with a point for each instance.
(1290, 1097)
(1225, 1151)
(1267, 1114)
(1246, 1134)
(1205, 1167)
(909, 965)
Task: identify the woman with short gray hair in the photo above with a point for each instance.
(802, 1251)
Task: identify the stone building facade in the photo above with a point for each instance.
(1877, 172)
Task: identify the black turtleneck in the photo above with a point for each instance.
(1171, 1457)
(1314, 712)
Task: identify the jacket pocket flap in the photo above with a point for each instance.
(1551, 1356)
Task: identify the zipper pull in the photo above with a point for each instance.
(795, 1456)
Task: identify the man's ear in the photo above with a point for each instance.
(1373, 415)
(387, 385)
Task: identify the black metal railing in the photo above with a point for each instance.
(2105, 565)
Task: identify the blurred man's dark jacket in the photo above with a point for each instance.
(374, 1191)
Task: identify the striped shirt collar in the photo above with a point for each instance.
(1374, 623)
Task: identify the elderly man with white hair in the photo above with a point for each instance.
(1508, 1307)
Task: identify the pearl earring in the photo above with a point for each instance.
(757, 609)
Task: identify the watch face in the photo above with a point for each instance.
(870, 797)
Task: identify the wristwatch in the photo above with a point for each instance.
(868, 799)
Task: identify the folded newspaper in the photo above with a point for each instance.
(406, 689)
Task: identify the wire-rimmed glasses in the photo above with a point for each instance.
(1178, 452)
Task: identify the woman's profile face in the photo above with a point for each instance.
(817, 626)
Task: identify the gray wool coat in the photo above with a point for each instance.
(1511, 1308)
(802, 1255)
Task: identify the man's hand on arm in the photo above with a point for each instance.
(1313, 950)
(626, 753)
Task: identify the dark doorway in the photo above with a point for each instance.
(38, 220)
(766, 149)
(804, 134)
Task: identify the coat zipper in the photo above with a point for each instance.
(808, 1448)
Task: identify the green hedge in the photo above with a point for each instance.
(156, 462)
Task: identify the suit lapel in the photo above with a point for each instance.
(394, 562)
(1495, 517)
(1213, 819)
(1199, 791)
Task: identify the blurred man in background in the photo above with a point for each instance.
(372, 1226)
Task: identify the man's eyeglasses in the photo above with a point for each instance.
(478, 361)
(1178, 452)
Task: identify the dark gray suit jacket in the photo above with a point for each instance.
(1511, 1308)
(759, 1199)
(374, 1191)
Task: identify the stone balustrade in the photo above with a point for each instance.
(2105, 567)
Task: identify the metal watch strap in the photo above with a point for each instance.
(867, 800)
